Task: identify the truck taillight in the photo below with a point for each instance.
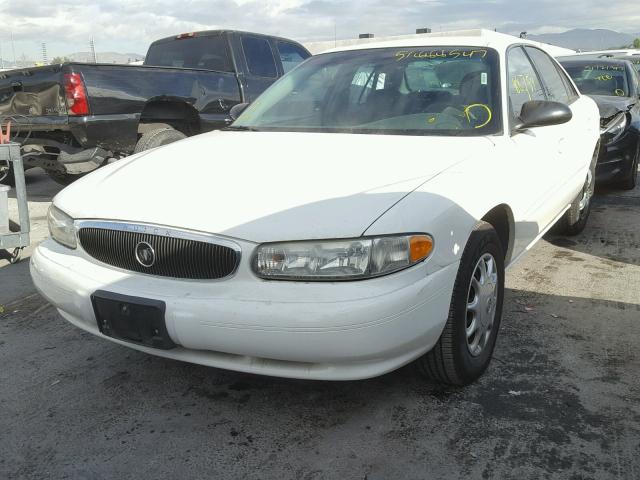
(77, 101)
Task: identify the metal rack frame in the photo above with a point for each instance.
(21, 239)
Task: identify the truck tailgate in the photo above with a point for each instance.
(32, 92)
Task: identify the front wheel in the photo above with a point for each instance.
(629, 183)
(466, 345)
(63, 178)
(6, 174)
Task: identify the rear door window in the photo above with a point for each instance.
(259, 57)
(291, 55)
(524, 84)
(208, 52)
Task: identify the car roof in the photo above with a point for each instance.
(461, 38)
(210, 33)
(617, 62)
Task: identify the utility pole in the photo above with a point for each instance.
(1, 57)
(45, 60)
(13, 47)
(92, 47)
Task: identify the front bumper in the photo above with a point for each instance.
(615, 160)
(327, 331)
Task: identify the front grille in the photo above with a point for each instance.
(173, 256)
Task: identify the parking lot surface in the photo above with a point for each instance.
(561, 399)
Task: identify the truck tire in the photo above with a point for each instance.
(9, 178)
(63, 178)
(157, 138)
(466, 344)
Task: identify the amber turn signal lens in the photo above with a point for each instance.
(420, 247)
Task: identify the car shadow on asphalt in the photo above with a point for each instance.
(563, 380)
(613, 230)
(40, 187)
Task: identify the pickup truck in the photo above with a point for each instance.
(74, 117)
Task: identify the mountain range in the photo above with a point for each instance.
(105, 57)
(587, 39)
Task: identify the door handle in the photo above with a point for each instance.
(561, 145)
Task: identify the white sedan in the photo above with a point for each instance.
(355, 218)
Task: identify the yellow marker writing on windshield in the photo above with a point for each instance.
(467, 112)
(619, 93)
(435, 54)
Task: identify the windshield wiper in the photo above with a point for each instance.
(241, 128)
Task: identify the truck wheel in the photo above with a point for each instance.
(7, 174)
(63, 178)
(465, 347)
(157, 138)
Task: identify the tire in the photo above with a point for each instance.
(630, 182)
(575, 219)
(9, 178)
(64, 179)
(453, 360)
(157, 138)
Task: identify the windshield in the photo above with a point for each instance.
(422, 91)
(593, 78)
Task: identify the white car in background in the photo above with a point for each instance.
(357, 217)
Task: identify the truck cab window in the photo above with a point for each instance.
(290, 55)
(259, 57)
(206, 52)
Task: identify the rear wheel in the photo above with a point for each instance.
(157, 138)
(466, 345)
(575, 219)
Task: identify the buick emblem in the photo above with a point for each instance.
(145, 254)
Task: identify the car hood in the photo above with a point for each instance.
(263, 186)
(610, 106)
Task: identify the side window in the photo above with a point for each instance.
(259, 57)
(573, 93)
(635, 81)
(524, 84)
(290, 55)
(556, 88)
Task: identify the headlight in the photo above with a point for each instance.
(333, 260)
(613, 130)
(61, 227)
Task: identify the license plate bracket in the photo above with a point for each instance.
(132, 319)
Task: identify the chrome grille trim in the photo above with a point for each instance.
(182, 253)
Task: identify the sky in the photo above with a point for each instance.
(128, 26)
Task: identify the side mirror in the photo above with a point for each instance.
(236, 110)
(543, 113)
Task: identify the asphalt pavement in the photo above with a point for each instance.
(561, 399)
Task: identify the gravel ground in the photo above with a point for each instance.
(561, 399)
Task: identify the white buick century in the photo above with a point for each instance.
(355, 218)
